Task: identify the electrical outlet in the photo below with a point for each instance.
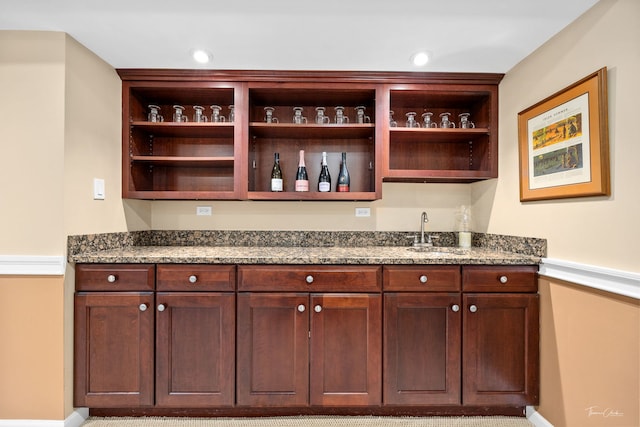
(362, 212)
(203, 210)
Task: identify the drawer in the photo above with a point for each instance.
(189, 277)
(427, 278)
(313, 278)
(496, 278)
(115, 277)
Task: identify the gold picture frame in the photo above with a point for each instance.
(564, 143)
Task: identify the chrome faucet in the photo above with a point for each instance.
(423, 242)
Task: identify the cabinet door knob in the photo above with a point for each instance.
(161, 307)
(317, 308)
(111, 278)
(309, 279)
(503, 279)
(193, 278)
(143, 307)
(301, 308)
(423, 279)
(473, 308)
(455, 308)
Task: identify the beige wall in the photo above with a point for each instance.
(599, 230)
(60, 126)
(399, 210)
(590, 357)
(32, 136)
(589, 339)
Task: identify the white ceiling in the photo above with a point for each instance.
(359, 35)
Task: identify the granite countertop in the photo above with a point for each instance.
(198, 250)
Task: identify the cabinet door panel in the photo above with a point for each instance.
(346, 348)
(195, 349)
(501, 349)
(113, 349)
(421, 349)
(273, 349)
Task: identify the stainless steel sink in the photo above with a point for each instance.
(439, 251)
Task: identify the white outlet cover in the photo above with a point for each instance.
(98, 189)
(203, 210)
(363, 212)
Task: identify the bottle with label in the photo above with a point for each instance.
(276, 174)
(344, 181)
(324, 180)
(302, 179)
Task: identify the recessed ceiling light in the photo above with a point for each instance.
(201, 56)
(420, 59)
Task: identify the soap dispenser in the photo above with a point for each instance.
(463, 226)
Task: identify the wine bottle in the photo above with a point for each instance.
(324, 180)
(276, 174)
(302, 179)
(344, 181)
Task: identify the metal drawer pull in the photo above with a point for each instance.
(161, 307)
(193, 278)
(301, 308)
(503, 279)
(317, 308)
(111, 278)
(143, 307)
(423, 279)
(473, 308)
(309, 279)
(455, 308)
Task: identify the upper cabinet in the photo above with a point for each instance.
(442, 133)
(333, 118)
(173, 145)
(191, 134)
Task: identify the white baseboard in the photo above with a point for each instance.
(32, 265)
(76, 419)
(536, 419)
(606, 279)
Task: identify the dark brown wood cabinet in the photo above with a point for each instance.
(190, 335)
(167, 159)
(114, 336)
(305, 348)
(501, 361)
(457, 338)
(422, 335)
(477, 348)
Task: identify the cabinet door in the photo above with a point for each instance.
(273, 349)
(346, 348)
(421, 349)
(113, 349)
(501, 349)
(195, 349)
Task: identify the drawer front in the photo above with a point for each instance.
(496, 278)
(432, 278)
(115, 277)
(309, 278)
(189, 277)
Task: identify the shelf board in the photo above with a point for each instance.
(332, 130)
(187, 130)
(222, 162)
(312, 195)
(436, 134)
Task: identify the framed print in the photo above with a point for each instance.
(564, 143)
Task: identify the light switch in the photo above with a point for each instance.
(98, 189)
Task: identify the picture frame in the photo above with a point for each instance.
(564, 143)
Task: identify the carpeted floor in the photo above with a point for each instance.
(309, 421)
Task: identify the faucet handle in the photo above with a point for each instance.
(415, 239)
